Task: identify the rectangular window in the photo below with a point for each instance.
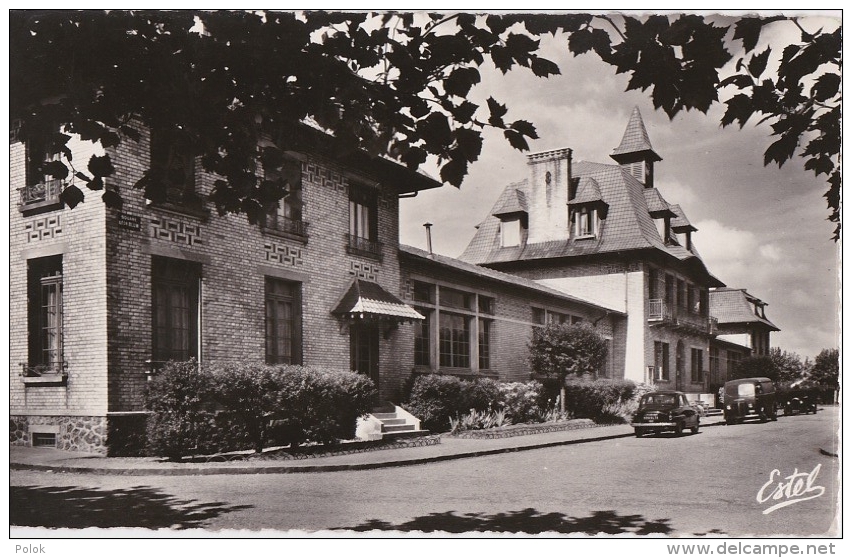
(661, 360)
(41, 189)
(691, 299)
(363, 209)
(456, 299)
(423, 292)
(422, 329)
(557, 317)
(585, 222)
(454, 341)
(576, 320)
(283, 322)
(173, 162)
(175, 289)
(485, 327)
(681, 294)
(485, 304)
(704, 302)
(653, 287)
(287, 215)
(697, 365)
(44, 313)
(670, 288)
(539, 316)
(510, 233)
(714, 364)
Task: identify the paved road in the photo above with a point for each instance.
(695, 484)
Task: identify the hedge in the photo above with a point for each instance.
(206, 409)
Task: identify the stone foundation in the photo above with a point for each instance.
(74, 433)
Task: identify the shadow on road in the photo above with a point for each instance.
(77, 508)
(528, 520)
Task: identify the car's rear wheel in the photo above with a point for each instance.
(679, 428)
(639, 432)
(694, 429)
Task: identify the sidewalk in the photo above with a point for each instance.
(48, 459)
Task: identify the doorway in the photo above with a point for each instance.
(364, 351)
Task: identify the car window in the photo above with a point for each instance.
(659, 399)
(745, 390)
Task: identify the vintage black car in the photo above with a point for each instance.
(796, 402)
(661, 411)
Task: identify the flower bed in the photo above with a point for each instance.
(318, 450)
(526, 429)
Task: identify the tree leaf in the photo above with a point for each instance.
(101, 166)
(543, 67)
(71, 196)
(757, 64)
(97, 183)
(525, 128)
(516, 140)
(497, 112)
(112, 199)
(454, 171)
(56, 169)
(82, 177)
(826, 87)
(781, 150)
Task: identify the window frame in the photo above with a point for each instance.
(696, 365)
(287, 217)
(662, 358)
(168, 154)
(272, 295)
(45, 316)
(170, 275)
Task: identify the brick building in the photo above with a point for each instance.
(101, 297)
(605, 233)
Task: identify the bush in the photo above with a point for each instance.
(435, 398)
(520, 401)
(596, 399)
(479, 420)
(239, 406)
(182, 415)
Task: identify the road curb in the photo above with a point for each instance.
(275, 470)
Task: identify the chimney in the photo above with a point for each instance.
(549, 183)
(429, 237)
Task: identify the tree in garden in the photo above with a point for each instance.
(826, 368)
(230, 86)
(761, 366)
(561, 350)
(789, 364)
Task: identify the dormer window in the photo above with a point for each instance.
(510, 233)
(585, 222)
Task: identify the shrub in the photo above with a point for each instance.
(435, 398)
(182, 417)
(479, 420)
(594, 399)
(320, 405)
(480, 394)
(520, 400)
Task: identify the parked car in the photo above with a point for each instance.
(662, 411)
(799, 402)
(750, 398)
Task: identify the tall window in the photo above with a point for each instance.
(175, 309)
(173, 159)
(510, 233)
(661, 360)
(40, 188)
(653, 286)
(363, 213)
(714, 364)
(484, 344)
(697, 365)
(283, 322)
(287, 215)
(454, 341)
(585, 222)
(44, 286)
(422, 329)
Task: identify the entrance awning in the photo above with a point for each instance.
(365, 300)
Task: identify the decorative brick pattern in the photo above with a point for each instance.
(176, 231)
(326, 177)
(283, 254)
(43, 228)
(367, 271)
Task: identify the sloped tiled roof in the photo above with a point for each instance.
(365, 298)
(635, 139)
(657, 206)
(736, 306)
(681, 223)
(587, 191)
(628, 226)
(513, 203)
(494, 275)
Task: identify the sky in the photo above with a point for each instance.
(760, 228)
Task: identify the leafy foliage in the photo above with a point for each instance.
(759, 366)
(790, 365)
(200, 409)
(391, 84)
(826, 368)
(562, 350)
(603, 401)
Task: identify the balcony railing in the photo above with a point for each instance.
(660, 311)
(287, 226)
(363, 246)
(41, 193)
